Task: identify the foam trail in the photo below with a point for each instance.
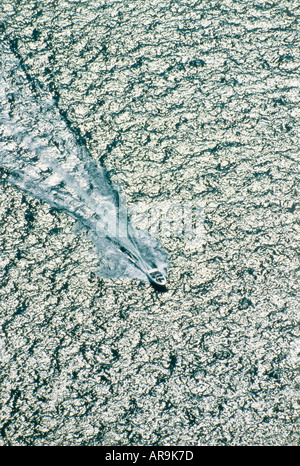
(45, 160)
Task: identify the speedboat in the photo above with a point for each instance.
(155, 276)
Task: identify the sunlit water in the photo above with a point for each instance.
(44, 159)
(178, 103)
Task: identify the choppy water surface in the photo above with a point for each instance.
(44, 159)
(189, 102)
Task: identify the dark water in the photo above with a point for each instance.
(192, 103)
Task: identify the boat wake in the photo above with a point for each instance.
(44, 158)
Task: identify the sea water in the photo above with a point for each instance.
(44, 159)
(182, 103)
